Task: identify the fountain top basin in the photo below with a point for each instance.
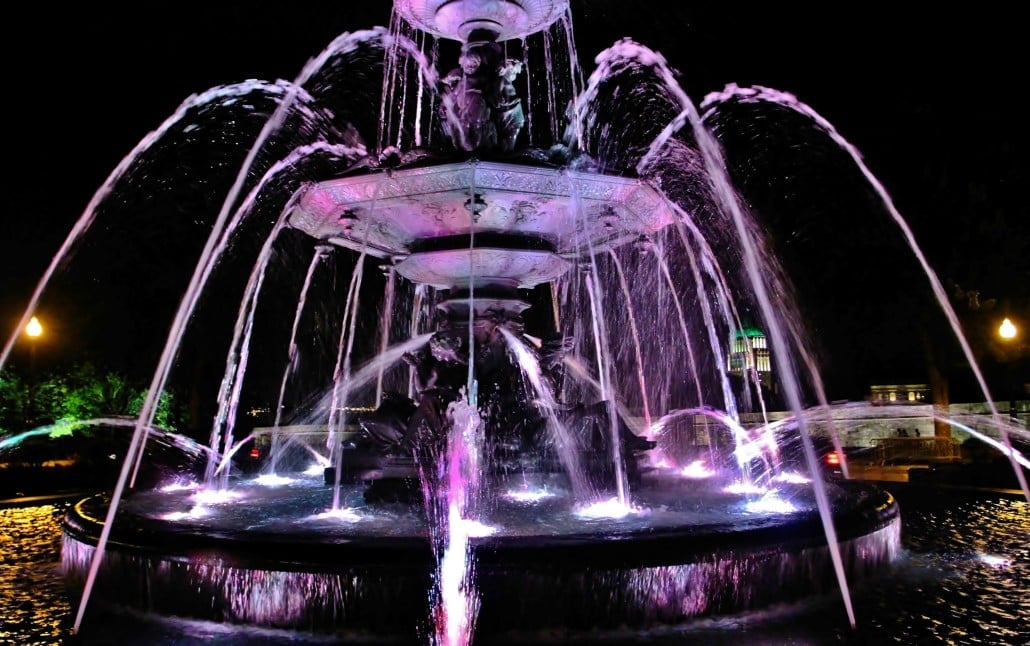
(459, 19)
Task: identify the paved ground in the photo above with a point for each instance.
(871, 471)
(997, 478)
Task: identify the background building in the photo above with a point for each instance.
(750, 353)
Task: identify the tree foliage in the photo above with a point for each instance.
(13, 399)
(81, 392)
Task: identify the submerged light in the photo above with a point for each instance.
(696, 470)
(611, 508)
(771, 503)
(272, 480)
(528, 495)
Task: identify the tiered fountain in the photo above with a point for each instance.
(491, 470)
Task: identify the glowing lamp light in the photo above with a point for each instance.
(1007, 329)
(34, 328)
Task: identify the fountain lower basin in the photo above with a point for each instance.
(273, 557)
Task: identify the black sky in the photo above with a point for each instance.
(931, 99)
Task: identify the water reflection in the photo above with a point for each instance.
(963, 580)
(33, 606)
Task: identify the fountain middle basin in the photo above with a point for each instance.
(272, 556)
(528, 221)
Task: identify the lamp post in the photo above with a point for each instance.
(33, 330)
(1009, 333)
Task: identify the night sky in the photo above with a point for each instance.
(930, 100)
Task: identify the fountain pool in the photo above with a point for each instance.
(276, 557)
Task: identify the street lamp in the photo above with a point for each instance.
(33, 330)
(1008, 333)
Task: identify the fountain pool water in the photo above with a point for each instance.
(505, 283)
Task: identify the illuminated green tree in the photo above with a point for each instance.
(13, 399)
(85, 393)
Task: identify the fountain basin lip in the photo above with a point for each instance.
(457, 19)
(482, 267)
(390, 213)
(312, 550)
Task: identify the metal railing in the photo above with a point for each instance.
(894, 450)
